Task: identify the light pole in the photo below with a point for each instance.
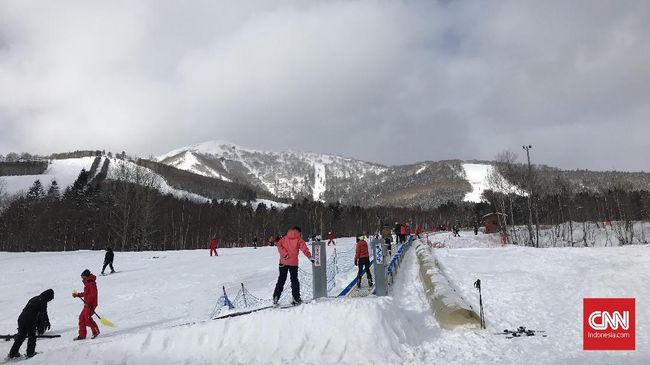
(530, 192)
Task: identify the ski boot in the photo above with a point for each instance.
(95, 335)
(276, 301)
(295, 301)
(78, 338)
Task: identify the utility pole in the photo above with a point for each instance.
(530, 193)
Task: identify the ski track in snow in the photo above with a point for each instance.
(538, 288)
(319, 181)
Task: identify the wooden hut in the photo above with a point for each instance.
(495, 222)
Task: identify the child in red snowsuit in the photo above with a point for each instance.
(89, 297)
(330, 239)
(213, 246)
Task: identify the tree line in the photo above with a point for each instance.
(539, 197)
(130, 214)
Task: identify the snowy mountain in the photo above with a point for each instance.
(167, 180)
(329, 178)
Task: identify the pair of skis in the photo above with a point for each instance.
(279, 306)
(521, 332)
(11, 337)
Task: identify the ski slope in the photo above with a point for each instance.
(65, 172)
(156, 295)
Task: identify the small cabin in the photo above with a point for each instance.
(495, 222)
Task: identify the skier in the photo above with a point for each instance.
(362, 260)
(271, 240)
(255, 242)
(397, 231)
(330, 239)
(213, 246)
(108, 260)
(386, 234)
(288, 248)
(89, 296)
(455, 231)
(402, 233)
(32, 319)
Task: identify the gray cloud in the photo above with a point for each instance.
(385, 81)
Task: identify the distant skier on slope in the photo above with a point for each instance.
(330, 239)
(362, 260)
(213, 246)
(255, 242)
(288, 248)
(89, 297)
(397, 231)
(386, 234)
(402, 233)
(108, 260)
(32, 319)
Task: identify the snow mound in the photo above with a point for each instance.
(308, 334)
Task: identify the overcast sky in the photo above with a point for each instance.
(385, 81)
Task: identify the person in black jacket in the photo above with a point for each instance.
(108, 260)
(28, 323)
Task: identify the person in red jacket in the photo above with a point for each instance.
(330, 239)
(89, 297)
(289, 247)
(362, 260)
(213, 246)
(402, 233)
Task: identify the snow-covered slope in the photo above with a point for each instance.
(330, 178)
(284, 174)
(128, 171)
(155, 293)
(477, 175)
(65, 172)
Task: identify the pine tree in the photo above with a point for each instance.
(36, 192)
(53, 192)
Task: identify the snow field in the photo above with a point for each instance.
(543, 289)
(151, 299)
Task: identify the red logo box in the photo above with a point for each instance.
(608, 324)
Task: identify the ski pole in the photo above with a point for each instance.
(103, 320)
(477, 285)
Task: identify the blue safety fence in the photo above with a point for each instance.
(339, 261)
(391, 269)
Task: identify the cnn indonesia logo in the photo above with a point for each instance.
(608, 324)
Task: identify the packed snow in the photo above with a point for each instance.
(161, 303)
